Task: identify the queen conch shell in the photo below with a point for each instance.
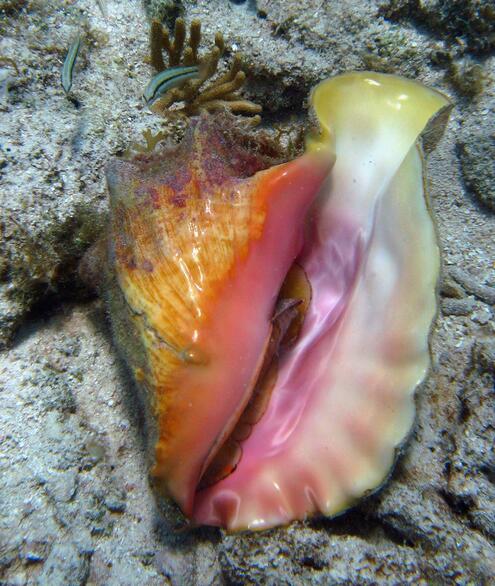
(278, 318)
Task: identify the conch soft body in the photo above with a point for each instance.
(277, 316)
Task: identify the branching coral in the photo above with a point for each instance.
(151, 140)
(220, 94)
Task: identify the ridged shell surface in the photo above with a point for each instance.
(202, 238)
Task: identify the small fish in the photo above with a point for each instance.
(168, 79)
(69, 63)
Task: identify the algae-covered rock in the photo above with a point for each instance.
(477, 156)
(468, 22)
(41, 265)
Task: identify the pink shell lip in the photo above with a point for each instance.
(291, 398)
(342, 405)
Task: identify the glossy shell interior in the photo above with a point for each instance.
(343, 400)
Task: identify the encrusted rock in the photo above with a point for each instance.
(477, 156)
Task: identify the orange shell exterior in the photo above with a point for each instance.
(193, 245)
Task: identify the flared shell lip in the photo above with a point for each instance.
(399, 450)
(370, 76)
(401, 447)
(375, 74)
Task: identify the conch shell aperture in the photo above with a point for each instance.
(277, 317)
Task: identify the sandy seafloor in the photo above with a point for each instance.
(75, 505)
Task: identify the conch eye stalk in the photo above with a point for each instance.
(277, 316)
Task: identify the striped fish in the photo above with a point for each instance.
(69, 63)
(168, 79)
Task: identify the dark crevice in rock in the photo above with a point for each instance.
(464, 409)
(358, 523)
(460, 506)
(280, 102)
(283, 116)
(313, 563)
(249, 5)
(43, 311)
(396, 536)
(488, 470)
(229, 581)
(351, 523)
(173, 530)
